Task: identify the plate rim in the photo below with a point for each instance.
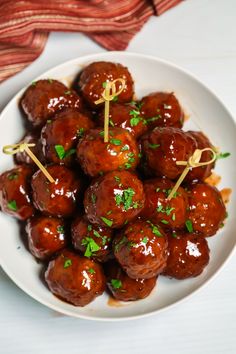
(95, 56)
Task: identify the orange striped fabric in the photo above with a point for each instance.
(25, 25)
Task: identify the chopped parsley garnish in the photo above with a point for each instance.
(93, 198)
(116, 142)
(109, 212)
(33, 83)
(116, 283)
(117, 179)
(12, 205)
(145, 240)
(60, 229)
(115, 99)
(61, 153)
(155, 229)
(124, 148)
(91, 246)
(120, 243)
(89, 227)
(164, 221)
(223, 155)
(67, 263)
(173, 216)
(111, 123)
(101, 133)
(80, 132)
(104, 84)
(174, 234)
(154, 146)
(153, 119)
(189, 225)
(68, 92)
(126, 198)
(91, 271)
(166, 210)
(107, 221)
(136, 117)
(13, 176)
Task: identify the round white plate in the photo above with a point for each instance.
(150, 74)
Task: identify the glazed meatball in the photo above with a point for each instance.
(93, 240)
(207, 209)
(46, 235)
(75, 279)
(44, 98)
(114, 199)
(124, 288)
(59, 198)
(201, 173)
(60, 136)
(23, 157)
(15, 193)
(126, 116)
(141, 249)
(162, 147)
(97, 157)
(170, 213)
(188, 256)
(162, 109)
(93, 77)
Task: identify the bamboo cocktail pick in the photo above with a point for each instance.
(108, 95)
(21, 147)
(193, 161)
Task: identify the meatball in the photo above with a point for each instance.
(126, 116)
(124, 288)
(114, 199)
(23, 157)
(162, 109)
(171, 213)
(141, 249)
(46, 235)
(92, 79)
(44, 98)
(188, 256)
(75, 279)
(97, 157)
(93, 240)
(201, 173)
(162, 147)
(15, 193)
(207, 209)
(59, 198)
(60, 136)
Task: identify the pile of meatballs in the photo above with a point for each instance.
(106, 221)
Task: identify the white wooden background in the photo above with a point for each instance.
(199, 35)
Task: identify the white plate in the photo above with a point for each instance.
(150, 74)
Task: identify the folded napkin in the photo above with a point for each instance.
(25, 25)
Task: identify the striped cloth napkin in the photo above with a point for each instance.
(25, 25)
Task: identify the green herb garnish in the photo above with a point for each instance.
(91, 271)
(145, 240)
(91, 246)
(116, 283)
(116, 142)
(60, 229)
(222, 155)
(62, 154)
(107, 221)
(12, 205)
(93, 198)
(154, 146)
(13, 176)
(189, 225)
(68, 92)
(80, 132)
(67, 263)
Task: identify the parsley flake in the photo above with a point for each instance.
(116, 142)
(154, 146)
(91, 246)
(12, 205)
(61, 153)
(126, 198)
(107, 221)
(145, 240)
(189, 225)
(80, 132)
(93, 198)
(13, 176)
(91, 271)
(124, 148)
(60, 229)
(116, 283)
(67, 263)
(68, 92)
(223, 155)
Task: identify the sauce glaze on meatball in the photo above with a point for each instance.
(114, 199)
(141, 249)
(75, 279)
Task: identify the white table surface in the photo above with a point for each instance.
(199, 35)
